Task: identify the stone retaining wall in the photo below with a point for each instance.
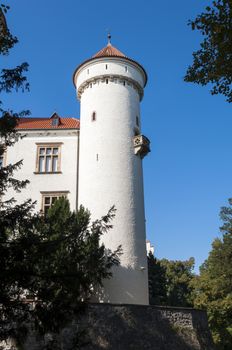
(135, 327)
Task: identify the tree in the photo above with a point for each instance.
(10, 80)
(170, 282)
(56, 261)
(212, 62)
(157, 281)
(179, 275)
(213, 288)
(11, 215)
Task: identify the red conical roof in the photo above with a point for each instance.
(108, 51)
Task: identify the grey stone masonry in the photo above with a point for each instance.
(135, 327)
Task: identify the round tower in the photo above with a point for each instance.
(110, 87)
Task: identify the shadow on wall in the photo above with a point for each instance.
(123, 287)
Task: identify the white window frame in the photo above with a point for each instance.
(51, 195)
(40, 154)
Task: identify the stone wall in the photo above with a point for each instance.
(125, 327)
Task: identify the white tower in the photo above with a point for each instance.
(110, 88)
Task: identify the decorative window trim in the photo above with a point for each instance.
(45, 155)
(51, 194)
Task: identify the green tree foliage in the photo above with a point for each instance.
(56, 261)
(213, 288)
(11, 215)
(170, 282)
(157, 281)
(212, 62)
(11, 79)
(179, 275)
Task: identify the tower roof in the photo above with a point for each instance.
(109, 51)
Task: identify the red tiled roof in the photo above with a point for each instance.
(46, 123)
(109, 50)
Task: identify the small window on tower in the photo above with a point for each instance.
(107, 81)
(124, 83)
(137, 121)
(87, 71)
(126, 69)
(106, 66)
(93, 117)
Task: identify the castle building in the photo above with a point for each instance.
(96, 162)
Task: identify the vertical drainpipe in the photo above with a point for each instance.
(77, 184)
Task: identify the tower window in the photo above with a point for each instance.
(137, 121)
(124, 83)
(93, 117)
(87, 71)
(106, 66)
(126, 69)
(107, 81)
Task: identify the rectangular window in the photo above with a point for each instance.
(48, 158)
(1, 161)
(49, 198)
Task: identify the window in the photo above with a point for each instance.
(1, 161)
(93, 117)
(106, 66)
(49, 198)
(137, 121)
(126, 69)
(107, 81)
(48, 158)
(55, 121)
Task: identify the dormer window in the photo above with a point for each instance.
(55, 119)
(55, 122)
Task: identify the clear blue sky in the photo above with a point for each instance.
(188, 174)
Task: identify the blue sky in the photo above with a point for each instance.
(188, 174)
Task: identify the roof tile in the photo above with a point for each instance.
(109, 50)
(46, 123)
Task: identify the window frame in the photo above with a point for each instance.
(51, 194)
(47, 145)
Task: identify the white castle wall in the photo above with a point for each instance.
(110, 173)
(26, 149)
